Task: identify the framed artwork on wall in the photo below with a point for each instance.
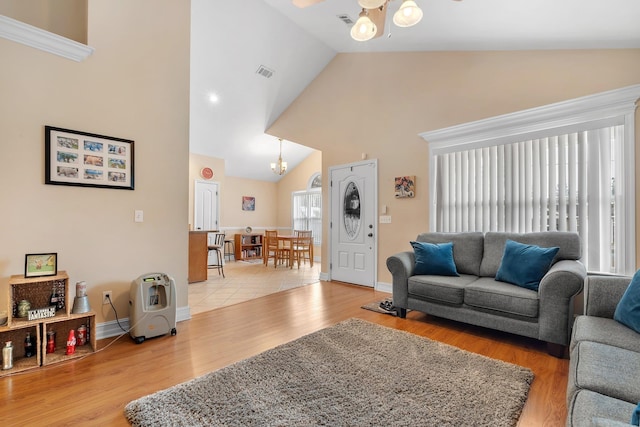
(248, 203)
(87, 160)
(405, 187)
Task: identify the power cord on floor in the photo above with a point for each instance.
(116, 313)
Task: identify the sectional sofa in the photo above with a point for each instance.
(604, 371)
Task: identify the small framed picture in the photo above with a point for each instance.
(405, 187)
(248, 203)
(36, 265)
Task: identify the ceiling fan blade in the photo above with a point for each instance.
(378, 16)
(305, 3)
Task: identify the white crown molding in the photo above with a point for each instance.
(604, 105)
(44, 40)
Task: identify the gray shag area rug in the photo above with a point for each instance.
(355, 373)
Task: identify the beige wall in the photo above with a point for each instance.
(378, 103)
(135, 86)
(273, 200)
(232, 218)
(67, 18)
(295, 180)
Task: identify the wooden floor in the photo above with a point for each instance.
(94, 390)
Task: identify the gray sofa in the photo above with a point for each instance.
(604, 370)
(477, 298)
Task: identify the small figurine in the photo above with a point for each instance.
(71, 342)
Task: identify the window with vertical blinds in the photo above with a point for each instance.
(577, 177)
(307, 213)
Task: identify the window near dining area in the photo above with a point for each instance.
(307, 208)
(566, 167)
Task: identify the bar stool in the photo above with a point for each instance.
(217, 247)
(229, 249)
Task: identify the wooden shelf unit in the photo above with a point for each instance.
(38, 290)
(248, 246)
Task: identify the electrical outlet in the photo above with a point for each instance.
(106, 296)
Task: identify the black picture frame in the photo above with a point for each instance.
(38, 265)
(87, 159)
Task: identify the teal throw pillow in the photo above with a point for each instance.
(635, 418)
(525, 265)
(628, 308)
(434, 259)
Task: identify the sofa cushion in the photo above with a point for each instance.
(588, 407)
(568, 242)
(628, 308)
(525, 265)
(489, 294)
(467, 249)
(605, 369)
(447, 289)
(605, 331)
(434, 258)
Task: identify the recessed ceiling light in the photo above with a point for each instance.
(214, 98)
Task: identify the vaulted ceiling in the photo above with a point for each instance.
(232, 40)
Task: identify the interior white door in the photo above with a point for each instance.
(353, 224)
(205, 210)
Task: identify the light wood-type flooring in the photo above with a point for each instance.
(244, 281)
(93, 391)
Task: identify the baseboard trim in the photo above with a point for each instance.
(384, 287)
(111, 328)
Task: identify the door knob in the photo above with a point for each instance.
(370, 234)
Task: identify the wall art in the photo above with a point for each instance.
(88, 160)
(405, 186)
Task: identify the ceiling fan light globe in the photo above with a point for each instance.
(364, 29)
(371, 4)
(408, 15)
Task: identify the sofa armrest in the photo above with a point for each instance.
(401, 266)
(602, 294)
(564, 280)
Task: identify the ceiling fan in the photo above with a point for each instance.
(370, 23)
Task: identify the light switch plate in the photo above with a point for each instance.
(385, 219)
(138, 216)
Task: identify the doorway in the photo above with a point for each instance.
(205, 207)
(353, 210)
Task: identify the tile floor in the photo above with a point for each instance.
(245, 281)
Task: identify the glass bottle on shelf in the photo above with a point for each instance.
(7, 356)
(29, 348)
(51, 341)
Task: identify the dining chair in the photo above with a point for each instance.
(302, 247)
(217, 246)
(272, 247)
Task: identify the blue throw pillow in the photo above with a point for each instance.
(525, 265)
(635, 418)
(434, 259)
(628, 308)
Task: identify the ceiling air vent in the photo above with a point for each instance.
(264, 71)
(345, 18)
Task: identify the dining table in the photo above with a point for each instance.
(287, 241)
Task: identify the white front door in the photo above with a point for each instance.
(205, 209)
(354, 189)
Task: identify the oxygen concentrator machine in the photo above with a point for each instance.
(152, 306)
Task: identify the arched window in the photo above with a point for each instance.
(306, 208)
